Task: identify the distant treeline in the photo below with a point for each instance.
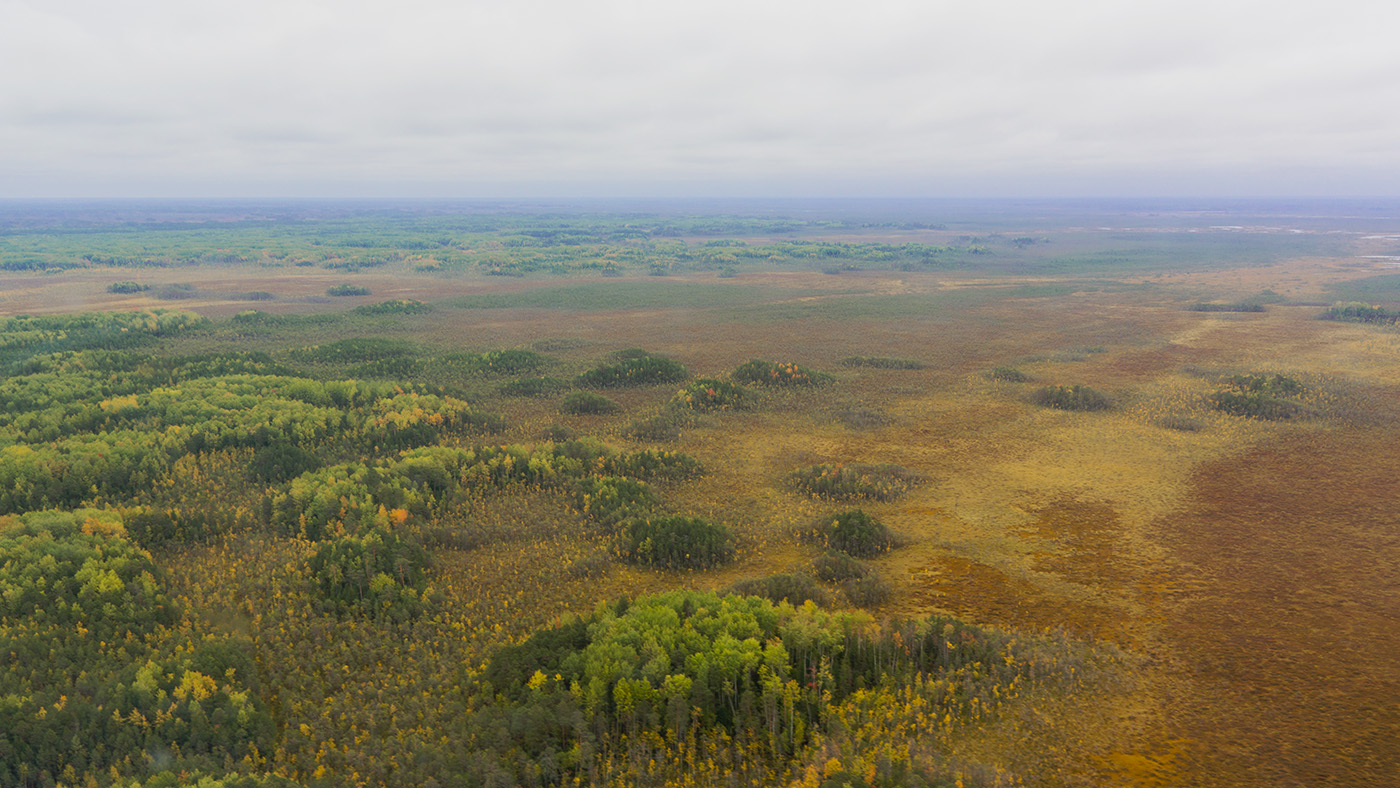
(1362, 313)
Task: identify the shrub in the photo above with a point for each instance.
(795, 589)
(661, 427)
(1254, 405)
(1356, 312)
(177, 292)
(506, 362)
(387, 368)
(645, 371)
(281, 462)
(586, 403)
(611, 499)
(558, 433)
(1181, 423)
(882, 482)
(534, 387)
(629, 354)
(1008, 374)
(880, 362)
(1259, 397)
(1226, 307)
(127, 287)
(834, 566)
(767, 373)
(357, 350)
(1278, 385)
(854, 533)
(861, 419)
(1074, 397)
(711, 394)
(675, 543)
(379, 573)
(398, 306)
(649, 464)
(348, 290)
(156, 527)
(868, 591)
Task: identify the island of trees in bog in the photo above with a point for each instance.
(815, 494)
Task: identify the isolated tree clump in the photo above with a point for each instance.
(644, 371)
(712, 394)
(506, 362)
(348, 290)
(854, 533)
(355, 350)
(768, 373)
(675, 542)
(1239, 307)
(586, 403)
(1358, 312)
(881, 362)
(1074, 397)
(397, 306)
(1008, 374)
(127, 287)
(879, 482)
(1269, 397)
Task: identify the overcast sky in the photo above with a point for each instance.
(480, 98)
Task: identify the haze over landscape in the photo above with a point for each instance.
(549, 98)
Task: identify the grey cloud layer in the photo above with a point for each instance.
(534, 96)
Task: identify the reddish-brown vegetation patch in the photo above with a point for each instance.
(1288, 644)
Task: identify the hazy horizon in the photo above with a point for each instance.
(551, 100)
